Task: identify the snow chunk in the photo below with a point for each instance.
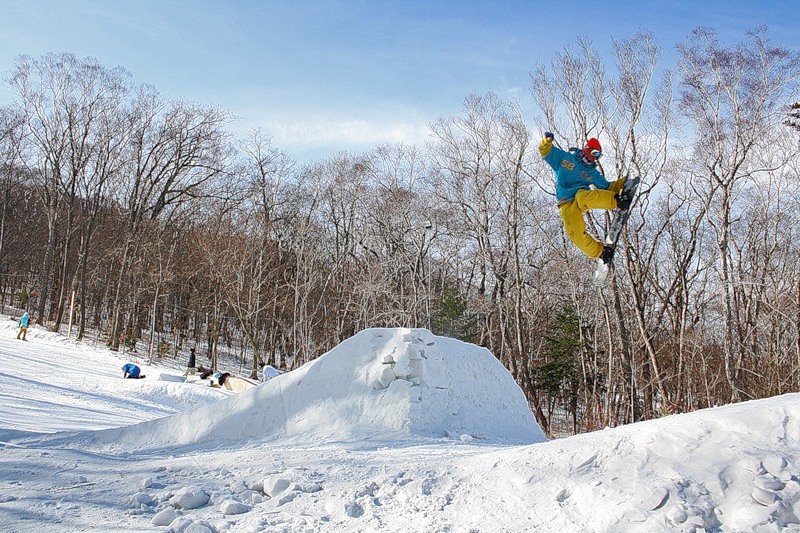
(769, 482)
(200, 527)
(142, 498)
(189, 498)
(233, 507)
(764, 497)
(276, 485)
(165, 517)
(353, 510)
(190, 524)
(252, 497)
(285, 498)
(385, 377)
(775, 465)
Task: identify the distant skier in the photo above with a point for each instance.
(192, 359)
(23, 326)
(576, 171)
(131, 371)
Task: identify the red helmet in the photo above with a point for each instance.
(592, 151)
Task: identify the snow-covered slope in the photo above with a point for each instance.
(50, 383)
(394, 430)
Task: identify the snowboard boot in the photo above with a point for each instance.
(608, 255)
(624, 200)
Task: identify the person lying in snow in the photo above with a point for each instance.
(131, 371)
(220, 377)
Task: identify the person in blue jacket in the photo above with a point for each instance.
(131, 371)
(23, 326)
(576, 174)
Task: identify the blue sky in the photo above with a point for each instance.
(321, 76)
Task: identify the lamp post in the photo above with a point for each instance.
(428, 233)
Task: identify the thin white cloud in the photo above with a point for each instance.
(358, 133)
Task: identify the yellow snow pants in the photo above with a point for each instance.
(573, 210)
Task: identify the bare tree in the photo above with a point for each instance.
(46, 89)
(254, 268)
(639, 134)
(63, 100)
(12, 137)
(99, 97)
(575, 84)
(732, 96)
(480, 160)
(176, 151)
(212, 242)
(397, 235)
(104, 169)
(313, 264)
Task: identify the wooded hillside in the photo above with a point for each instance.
(151, 221)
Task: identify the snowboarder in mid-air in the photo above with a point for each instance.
(576, 171)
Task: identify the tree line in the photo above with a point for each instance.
(143, 218)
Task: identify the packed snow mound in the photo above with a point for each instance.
(734, 468)
(380, 383)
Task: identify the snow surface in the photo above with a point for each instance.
(392, 430)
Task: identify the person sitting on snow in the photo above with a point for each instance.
(131, 371)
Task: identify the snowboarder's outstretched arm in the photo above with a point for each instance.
(553, 155)
(547, 144)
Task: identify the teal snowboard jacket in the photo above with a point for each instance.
(572, 174)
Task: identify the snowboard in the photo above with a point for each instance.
(618, 221)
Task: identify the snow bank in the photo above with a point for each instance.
(380, 383)
(732, 468)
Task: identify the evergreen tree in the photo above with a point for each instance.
(561, 372)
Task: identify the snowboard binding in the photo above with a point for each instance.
(605, 263)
